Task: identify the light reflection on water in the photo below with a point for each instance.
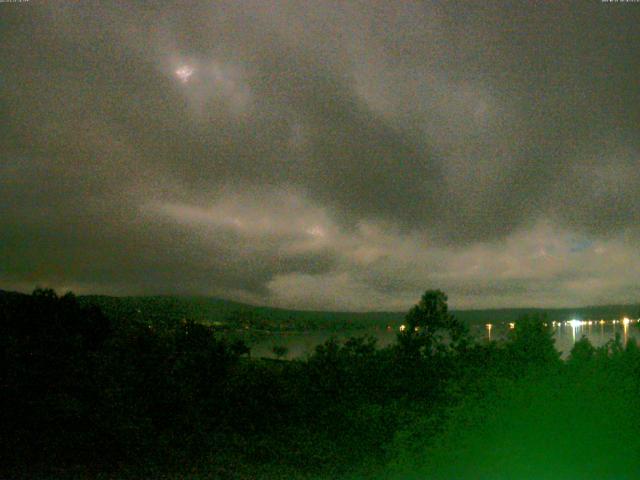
(301, 344)
(598, 335)
(567, 333)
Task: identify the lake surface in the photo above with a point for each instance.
(598, 334)
(301, 344)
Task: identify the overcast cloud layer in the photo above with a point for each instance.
(325, 155)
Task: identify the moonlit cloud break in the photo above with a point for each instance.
(327, 155)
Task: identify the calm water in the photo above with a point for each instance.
(598, 334)
(301, 344)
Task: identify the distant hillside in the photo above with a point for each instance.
(206, 309)
(234, 314)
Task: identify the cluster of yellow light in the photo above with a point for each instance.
(574, 323)
(579, 323)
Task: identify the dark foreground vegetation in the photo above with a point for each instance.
(86, 396)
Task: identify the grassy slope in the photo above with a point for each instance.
(573, 427)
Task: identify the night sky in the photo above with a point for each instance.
(323, 155)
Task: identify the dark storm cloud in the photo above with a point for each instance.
(131, 131)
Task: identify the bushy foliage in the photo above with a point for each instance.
(79, 389)
(122, 396)
(582, 352)
(532, 345)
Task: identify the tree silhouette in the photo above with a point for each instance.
(429, 327)
(582, 352)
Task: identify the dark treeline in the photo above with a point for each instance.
(85, 394)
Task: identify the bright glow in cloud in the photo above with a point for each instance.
(184, 73)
